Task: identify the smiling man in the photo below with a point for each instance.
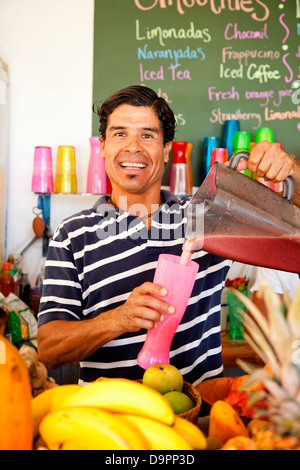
(135, 154)
(98, 296)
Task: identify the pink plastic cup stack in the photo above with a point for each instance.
(42, 179)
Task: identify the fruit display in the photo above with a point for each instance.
(111, 414)
(274, 390)
(257, 411)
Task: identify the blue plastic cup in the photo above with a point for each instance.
(231, 126)
(209, 143)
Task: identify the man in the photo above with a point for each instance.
(98, 296)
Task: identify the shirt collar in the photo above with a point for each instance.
(103, 207)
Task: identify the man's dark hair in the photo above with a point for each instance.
(137, 95)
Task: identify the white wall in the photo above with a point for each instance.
(48, 45)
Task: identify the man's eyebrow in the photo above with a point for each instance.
(151, 129)
(148, 129)
(115, 128)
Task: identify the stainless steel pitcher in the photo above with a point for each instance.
(244, 220)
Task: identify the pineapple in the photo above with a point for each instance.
(276, 339)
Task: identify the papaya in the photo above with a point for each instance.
(15, 399)
(224, 422)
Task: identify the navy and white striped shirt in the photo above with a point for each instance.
(98, 256)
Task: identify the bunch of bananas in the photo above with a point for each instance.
(111, 414)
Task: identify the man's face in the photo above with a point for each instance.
(134, 151)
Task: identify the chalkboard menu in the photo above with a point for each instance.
(212, 60)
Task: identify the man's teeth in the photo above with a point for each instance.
(133, 165)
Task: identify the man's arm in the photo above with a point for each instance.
(68, 342)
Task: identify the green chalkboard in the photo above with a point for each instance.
(211, 59)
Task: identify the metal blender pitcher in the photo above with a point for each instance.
(244, 220)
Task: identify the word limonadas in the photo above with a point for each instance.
(172, 33)
(257, 9)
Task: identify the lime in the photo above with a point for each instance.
(179, 401)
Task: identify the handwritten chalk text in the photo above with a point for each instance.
(144, 53)
(217, 116)
(270, 115)
(262, 73)
(172, 33)
(266, 97)
(222, 95)
(232, 32)
(242, 56)
(216, 6)
(175, 70)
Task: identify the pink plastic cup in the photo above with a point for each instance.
(218, 155)
(96, 179)
(179, 280)
(42, 178)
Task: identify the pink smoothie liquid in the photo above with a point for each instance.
(281, 253)
(179, 280)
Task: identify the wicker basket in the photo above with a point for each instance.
(194, 395)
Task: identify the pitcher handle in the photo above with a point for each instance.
(288, 183)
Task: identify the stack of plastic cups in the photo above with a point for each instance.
(188, 152)
(42, 179)
(266, 133)
(96, 179)
(242, 143)
(231, 126)
(65, 181)
(209, 143)
(218, 155)
(180, 176)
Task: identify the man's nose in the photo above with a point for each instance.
(133, 144)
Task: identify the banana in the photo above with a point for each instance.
(190, 432)
(90, 428)
(49, 400)
(160, 435)
(126, 396)
(74, 445)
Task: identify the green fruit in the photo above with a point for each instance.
(164, 378)
(179, 401)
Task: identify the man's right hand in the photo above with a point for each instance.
(143, 309)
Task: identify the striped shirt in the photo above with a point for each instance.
(98, 256)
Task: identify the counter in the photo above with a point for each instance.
(233, 350)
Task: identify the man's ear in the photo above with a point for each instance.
(167, 150)
(102, 145)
